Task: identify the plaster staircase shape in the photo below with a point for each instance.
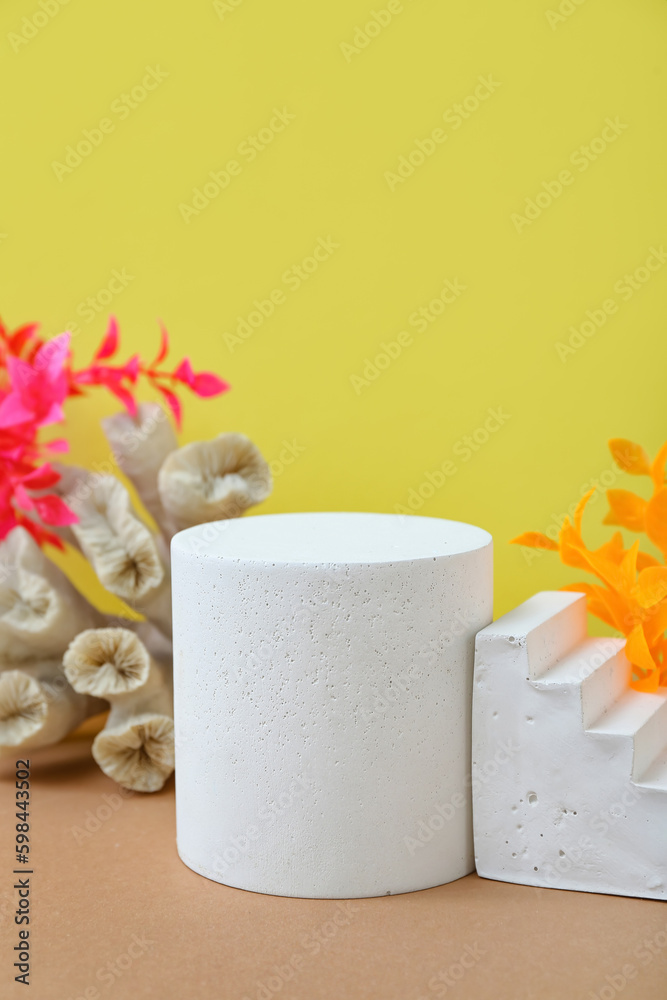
(569, 771)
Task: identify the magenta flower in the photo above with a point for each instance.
(38, 387)
(38, 379)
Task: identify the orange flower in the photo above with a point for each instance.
(632, 593)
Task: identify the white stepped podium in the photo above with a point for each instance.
(569, 762)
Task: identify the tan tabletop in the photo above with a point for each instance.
(115, 913)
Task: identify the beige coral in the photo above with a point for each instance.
(38, 707)
(140, 444)
(40, 609)
(137, 751)
(213, 480)
(106, 662)
(44, 618)
(136, 746)
(114, 539)
(122, 550)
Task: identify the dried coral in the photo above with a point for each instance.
(136, 746)
(61, 660)
(38, 707)
(213, 480)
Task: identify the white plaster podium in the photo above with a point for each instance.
(569, 762)
(323, 671)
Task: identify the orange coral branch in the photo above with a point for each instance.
(632, 593)
(535, 540)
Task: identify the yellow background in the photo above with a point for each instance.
(324, 175)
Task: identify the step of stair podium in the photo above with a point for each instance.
(656, 775)
(569, 772)
(643, 718)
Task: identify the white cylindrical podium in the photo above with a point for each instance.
(323, 676)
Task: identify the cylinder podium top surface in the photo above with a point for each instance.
(338, 537)
(323, 685)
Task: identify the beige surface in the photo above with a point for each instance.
(94, 892)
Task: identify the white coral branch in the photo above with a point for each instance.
(43, 617)
(213, 480)
(136, 750)
(38, 707)
(121, 549)
(136, 746)
(40, 609)
(140, 445)
(106, 662)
